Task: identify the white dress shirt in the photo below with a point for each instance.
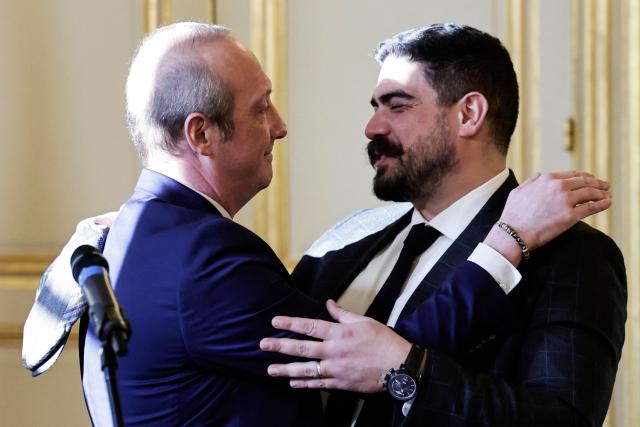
(450, 223)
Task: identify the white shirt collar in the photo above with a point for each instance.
(452, 221)
(215, 204)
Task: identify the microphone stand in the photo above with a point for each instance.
(109, 367)
(114, 341)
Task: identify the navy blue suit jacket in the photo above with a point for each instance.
(553, 364)
(200, 292)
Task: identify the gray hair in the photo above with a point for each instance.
(167, 81)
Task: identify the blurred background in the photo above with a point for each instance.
(65, 153)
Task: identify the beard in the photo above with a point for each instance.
(420, 168)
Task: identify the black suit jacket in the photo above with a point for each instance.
(554, 364)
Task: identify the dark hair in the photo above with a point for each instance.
(458, 59)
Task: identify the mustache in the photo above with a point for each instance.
(381, 146)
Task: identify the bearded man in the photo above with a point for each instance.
(445, 107)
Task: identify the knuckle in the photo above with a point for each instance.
(556, 184)
(308, 371)
(302, 349)
(309, 327)
(347, 333)
(571, 218)
(330, 384)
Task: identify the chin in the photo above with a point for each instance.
(391, 190)
(266, 182)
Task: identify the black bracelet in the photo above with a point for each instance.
(511, 232)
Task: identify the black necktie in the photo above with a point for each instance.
(378, 408)
(420, 237)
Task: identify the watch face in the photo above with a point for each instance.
(402, 386)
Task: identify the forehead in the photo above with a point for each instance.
(401, 73)
(237, 66)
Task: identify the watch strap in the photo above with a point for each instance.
(415, 361)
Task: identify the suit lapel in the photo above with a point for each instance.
(462, 247)
(347, 263)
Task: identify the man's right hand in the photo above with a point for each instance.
(105, 219)
(355, 354)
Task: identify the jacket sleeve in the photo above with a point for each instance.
(59, 303)
(558, 364)
(466, 310)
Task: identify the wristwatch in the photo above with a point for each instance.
(402, 384)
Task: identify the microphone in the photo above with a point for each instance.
(91, 271)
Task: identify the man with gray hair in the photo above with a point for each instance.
(199, 289)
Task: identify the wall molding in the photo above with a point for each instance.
(599, 59)
(523, 43)
(11, 336)
(269, 43)
(593, 95)
(628, 391)
(22, 272)
(156, 13)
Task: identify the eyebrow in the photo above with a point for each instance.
(265, 95)
(385, 98)
(258, 101)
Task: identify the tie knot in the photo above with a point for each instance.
(420, 237)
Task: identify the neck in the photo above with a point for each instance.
(456, 184)
(188, 171)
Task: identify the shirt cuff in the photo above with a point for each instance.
(497, 266)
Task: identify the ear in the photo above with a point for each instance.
(201, 134)
(472, 110)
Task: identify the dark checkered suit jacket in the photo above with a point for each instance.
(554, 365)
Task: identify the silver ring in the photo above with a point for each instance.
(318, 369)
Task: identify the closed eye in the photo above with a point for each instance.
(396, 106)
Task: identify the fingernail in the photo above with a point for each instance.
(266, 345)
(272, 370)
(276, 322)
(295, 384)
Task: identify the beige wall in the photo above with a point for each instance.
(53, 399)
(65, 151)
(65, 155)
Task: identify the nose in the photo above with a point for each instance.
(278, 126)
(377, 126)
